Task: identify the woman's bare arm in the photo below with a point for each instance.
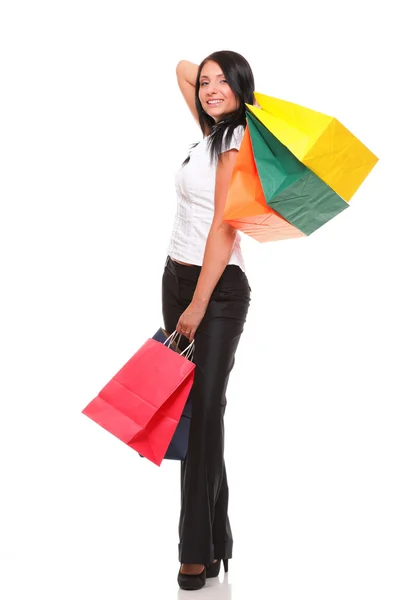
(221, 236)
(186, 73)
(217, 252)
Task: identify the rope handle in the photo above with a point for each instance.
(187, 352)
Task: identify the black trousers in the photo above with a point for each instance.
(204, 528)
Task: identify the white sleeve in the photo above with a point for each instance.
(236, 140)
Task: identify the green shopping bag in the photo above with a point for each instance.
(290, 188)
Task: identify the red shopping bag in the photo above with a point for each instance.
(143, 402)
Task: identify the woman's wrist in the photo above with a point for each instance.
(199, 302)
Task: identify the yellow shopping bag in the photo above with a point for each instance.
(319, 141)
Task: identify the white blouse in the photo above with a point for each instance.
(195, 186)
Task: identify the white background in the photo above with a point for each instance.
(93, 128)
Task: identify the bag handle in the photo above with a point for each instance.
(190, 352)
(171, 339)
(187, 352)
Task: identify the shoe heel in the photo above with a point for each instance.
(225, 561)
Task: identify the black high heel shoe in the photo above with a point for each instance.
(213, 569)
(192, 582)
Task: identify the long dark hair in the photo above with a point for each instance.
(239, 76)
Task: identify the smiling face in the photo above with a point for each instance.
(215, 94)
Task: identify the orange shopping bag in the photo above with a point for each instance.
(246, 208)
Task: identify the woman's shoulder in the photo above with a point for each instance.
(233, 137)
(238, 130)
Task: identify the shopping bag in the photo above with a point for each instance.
(143, 402)
(178, 446)
(246, 208)
(169, 340)
(319, 141)
(291, 188)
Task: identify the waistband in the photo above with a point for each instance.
(192, 272)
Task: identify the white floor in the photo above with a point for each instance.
(119, 575)
(100, 580)
(83, 518)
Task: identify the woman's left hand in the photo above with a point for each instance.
(190, 320)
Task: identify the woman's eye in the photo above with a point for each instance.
(224, 80)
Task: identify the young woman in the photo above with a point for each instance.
(206, 296)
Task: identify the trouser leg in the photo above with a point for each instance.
(204, 528)
(221, 532)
